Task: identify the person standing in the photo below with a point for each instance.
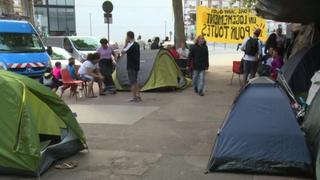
(106, 65)
(199, 57)
(281, 39)
(132, 49)
(141, 43)
(252, 48)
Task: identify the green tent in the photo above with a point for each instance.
(37, 127)
(311, 126)
(158, 71)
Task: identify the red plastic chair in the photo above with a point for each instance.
(68, 81)
(236, 70)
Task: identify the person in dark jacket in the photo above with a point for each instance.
(271, 43)
(199, 57)
(132, 49)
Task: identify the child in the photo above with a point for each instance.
(72, 72)
(71, 68)
(57, 70)
(50, 81)
(276, 64)
(89, 72)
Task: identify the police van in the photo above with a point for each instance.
(21, 49)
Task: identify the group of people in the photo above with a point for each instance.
(98, 68)
(265, 63)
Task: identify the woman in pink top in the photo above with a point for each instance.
(106, 65)
(57, 70)
(277, 63)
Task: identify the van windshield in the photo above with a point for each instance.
(20, 42)
(85, 43)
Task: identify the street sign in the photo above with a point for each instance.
(107, 7)
(108, 18)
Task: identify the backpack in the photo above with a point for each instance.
(252, 47)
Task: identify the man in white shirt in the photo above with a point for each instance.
(141, 43)
(252, 48)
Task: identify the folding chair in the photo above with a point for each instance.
(69, 81)
(236, 70)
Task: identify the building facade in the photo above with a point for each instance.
(17, 9)
(55, 17)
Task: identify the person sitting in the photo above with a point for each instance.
(155, 43)
(265, 66)
(50, 81)
(57, 70)
(183, 57)
(183, 51)
(173, 52)
(89, 72)
(277, 62)
(71, 69)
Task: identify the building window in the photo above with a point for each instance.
(71, 19)
(70, 2)
(40, 2)
(41, 17)
(52, 2)
(53, 19)
(59, 19)
(61, 2)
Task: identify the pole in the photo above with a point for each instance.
(90, 24)
(165, 29)
(108, 31)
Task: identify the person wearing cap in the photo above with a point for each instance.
(252, 48)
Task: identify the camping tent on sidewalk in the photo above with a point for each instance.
(37, 127)
(260, 134)
(301, 67)
(158, 71)
(311, 126)
(314, 87)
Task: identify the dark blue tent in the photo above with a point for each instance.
(261, 134)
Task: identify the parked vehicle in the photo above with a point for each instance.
(77, 46)
(61, 55)
(21, 49)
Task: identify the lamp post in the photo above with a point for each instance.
(165, 28)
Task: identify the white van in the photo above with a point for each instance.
(77, 46)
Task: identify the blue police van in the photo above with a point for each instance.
(21, 49)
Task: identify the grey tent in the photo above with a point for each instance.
(158, 70)
(299, 11)
(311, 126)
(299, 70)
(260, 134)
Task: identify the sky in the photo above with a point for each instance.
(144, 17)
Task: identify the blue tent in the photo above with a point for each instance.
(261, 134)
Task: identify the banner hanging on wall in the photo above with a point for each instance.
(228, 25)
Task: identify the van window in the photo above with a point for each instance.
(85, 43)
(67, 45)
(20, 42)
(59, 54)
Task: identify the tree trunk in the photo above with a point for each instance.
(179, 34)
